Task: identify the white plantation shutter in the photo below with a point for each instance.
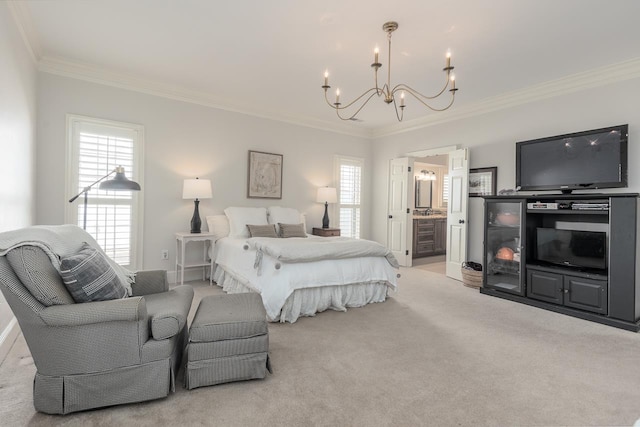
(97, 147)
(349, 195)
(445, 190)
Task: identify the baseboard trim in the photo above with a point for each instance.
(8, 337)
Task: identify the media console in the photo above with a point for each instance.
(513, 268)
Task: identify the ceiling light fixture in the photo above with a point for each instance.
(426, 175)
(386, 90)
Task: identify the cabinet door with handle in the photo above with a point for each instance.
(586, 294)
(504, 245)
(545, 286)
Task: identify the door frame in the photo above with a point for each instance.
(427, 153)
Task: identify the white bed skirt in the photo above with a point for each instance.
(309, 301)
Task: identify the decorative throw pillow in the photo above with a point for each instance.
(240, 217)
(262, 230)
(89, 277)
(218, 225)
(34, 269)
(279, 214)
(292, 230)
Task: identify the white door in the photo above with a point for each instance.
(457, 212)
(399, 223)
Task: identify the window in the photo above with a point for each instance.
(95, 148)
(445, 190)
(349, 179)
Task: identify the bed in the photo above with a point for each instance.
(290, 286)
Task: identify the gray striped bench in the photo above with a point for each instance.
(228, 341)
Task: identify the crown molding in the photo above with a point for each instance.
(100, 75)
(22, 17)
(596, 77)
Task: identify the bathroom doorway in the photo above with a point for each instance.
(402, 208)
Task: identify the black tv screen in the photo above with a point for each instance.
(583, 249)
(582, 160)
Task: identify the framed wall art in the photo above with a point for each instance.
(483, 182)
(265, 175)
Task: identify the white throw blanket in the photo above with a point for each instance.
(308, 249)
(59, 241)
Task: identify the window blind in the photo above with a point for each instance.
(350, 189)
(445, 190)
(111, 215)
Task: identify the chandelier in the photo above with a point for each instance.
(386, 90)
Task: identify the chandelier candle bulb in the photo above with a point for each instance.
(337, 96)
(375, 58)
(448, 59)
(401, 99)
(326, 78)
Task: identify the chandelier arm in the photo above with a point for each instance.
(358, 110)
(327, 99)
(453, 97)
(373, 89)
(403, 86)
(401, 115)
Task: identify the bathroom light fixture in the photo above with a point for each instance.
(426, 175)
(386, 90)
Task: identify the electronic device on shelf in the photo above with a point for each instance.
(542, 206)
(583, 160)
(590, 206)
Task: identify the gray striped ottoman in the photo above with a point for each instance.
(228, 341)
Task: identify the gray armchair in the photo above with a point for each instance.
(101, 353)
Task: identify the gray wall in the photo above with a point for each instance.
(184, 140)
(491, 141)
(17, 143)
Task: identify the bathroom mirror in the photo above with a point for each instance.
(423, 194)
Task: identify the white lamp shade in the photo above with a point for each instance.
(327, 194)
(196, 189)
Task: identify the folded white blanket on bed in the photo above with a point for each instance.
(306, 250)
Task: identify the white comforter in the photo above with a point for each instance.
(279, 279)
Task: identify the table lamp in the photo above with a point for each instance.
(326, 195)
(196, 189)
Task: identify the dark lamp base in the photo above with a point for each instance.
(325, 218)
(196, 223)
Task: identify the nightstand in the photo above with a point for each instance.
(325, 232)
(182, 239)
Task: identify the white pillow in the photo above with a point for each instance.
(240, 217)
(218, 225)
(303, 220)
(284, 215)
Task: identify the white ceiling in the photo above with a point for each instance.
(268, 57)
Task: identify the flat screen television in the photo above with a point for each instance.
(583, 160)
(571, 248)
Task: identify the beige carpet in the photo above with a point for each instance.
(436, 353)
